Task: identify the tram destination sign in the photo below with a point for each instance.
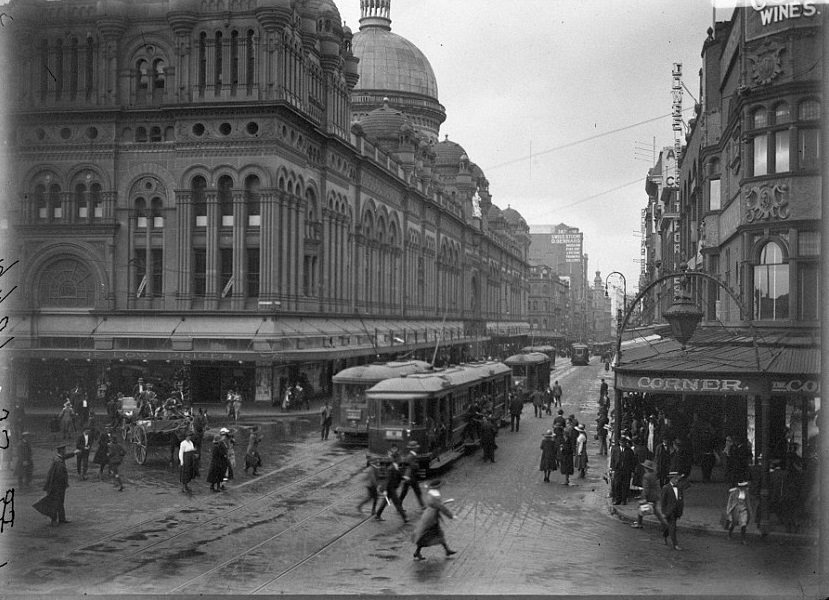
(690, 385)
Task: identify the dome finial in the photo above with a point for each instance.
(375, 13)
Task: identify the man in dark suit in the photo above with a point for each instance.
(83, 445)
(515, 408)
(394, 476)
(672, 502)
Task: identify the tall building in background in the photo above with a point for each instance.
(561, 247)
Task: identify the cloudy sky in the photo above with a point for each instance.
(543, 77)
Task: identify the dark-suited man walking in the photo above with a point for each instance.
(672, 503)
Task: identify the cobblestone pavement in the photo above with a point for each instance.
(296, 530)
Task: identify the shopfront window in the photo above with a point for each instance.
(771, 285)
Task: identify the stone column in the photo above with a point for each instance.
(184, 223)
(239, 253)
(211, 300)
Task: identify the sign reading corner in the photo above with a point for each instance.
(689, 385)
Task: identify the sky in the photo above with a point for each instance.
(539, 77)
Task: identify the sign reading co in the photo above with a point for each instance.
(805, 386)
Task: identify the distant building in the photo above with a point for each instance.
(548, 307)
(561, 247)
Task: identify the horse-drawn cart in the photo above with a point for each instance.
(148, 434)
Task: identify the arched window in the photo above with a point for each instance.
(58, 69)
(159, 80)
(759, 118)
(142, 80)
(66, 283)
(781, 113)
(234, 60)
(197, 188)
(55, 208)
(155, 134)
(41, 207)
(251, 58)
(81, 201)
(156, 212)
(225, 197)
(73, 70)
(217, 63)
(252, 186)
(140, 134)
(140, 213)
(808, 110)
(202, 62)
(771, 285)
(96, 201)
(90, 66)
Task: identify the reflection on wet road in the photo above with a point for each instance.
(295, 529)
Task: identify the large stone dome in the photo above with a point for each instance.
(391, 66)
(391, 63)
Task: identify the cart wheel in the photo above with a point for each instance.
(139, 448)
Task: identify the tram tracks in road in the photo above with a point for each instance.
(160, 518)
(290, 531)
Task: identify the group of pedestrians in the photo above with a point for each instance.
(402, 475)
(564, 447)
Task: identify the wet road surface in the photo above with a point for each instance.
(295, 529)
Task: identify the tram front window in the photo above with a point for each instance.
(394, 412)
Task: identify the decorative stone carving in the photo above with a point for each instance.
(765, 202)
(765, 65)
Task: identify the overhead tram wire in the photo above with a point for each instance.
(581, 141)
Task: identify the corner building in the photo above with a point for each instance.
(193, 202)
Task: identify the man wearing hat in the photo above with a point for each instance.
(625, 463)
(24, 467)
(410, 473)
(394, 475)
(672, 503)
(428, 531)
(115, 455)
(83, 444)
(57, 480)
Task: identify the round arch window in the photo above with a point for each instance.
(67, 283)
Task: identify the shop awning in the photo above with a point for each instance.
(718, 361)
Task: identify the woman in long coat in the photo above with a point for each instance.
(548, 455)
(428, 531)
(218, 465)
(581, 451)
(565, 455)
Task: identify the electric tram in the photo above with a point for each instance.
(580, 354)
(432, 409)
(349, 409)
(530, 370)
(546, 349)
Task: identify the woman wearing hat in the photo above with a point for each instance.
(101, 457)
(738, 509)
(218, 465)
(581, 451)
(428, 531)
(548, 455)
(564, 454)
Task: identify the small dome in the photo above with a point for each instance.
(513, 217)
(321, 7)
(384, 122)
(494, 212)
(449, 154)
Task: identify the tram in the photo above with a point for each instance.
(349, 409)
(530, 370)
(580, 354)
(546, 349)
(432, 409)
